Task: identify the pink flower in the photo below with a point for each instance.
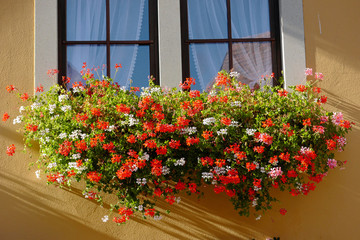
(341, 141)
(275, 172)
(332, 163)
(266, 138)
(308, 72)
(319, 129)
(324, 119)
(319, 76)
(337, 117)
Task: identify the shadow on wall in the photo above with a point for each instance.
(334, 35)
(193, 218)
(204, 218)
(27, 205)
(23, 214)
(349, 109)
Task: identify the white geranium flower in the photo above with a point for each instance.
(236, 104)
(35, 105)
(250, 131)
(18, 119)
(37, 173)
(180, 162)
(234, 74)
(208, 121)
(62, 135)
(165, 170)
(52, 108)
(63, 97)
(105, 218)
(22, 108)
(222, 131)
(207, 175)
(66, 108)
(145, 156)
(52, 165)
(76, 156)
(133, 121)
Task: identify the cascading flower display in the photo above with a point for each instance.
(160, 142)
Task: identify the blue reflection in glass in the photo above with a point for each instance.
(93, 55)
(250, 18)
(207, 19)
(135, 61)
(85, 20)
(206, 60)
(129, 20)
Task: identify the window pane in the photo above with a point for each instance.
(206, 60)
(135, 61)
(252, 60)
(250, 18)
(207, 19)
(85, 20)
(93, 55)
(129, 20)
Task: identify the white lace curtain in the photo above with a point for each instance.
(86, 21)
(208, 20)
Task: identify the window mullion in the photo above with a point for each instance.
(154, 66)
(275, 34)
(185, 38)
(108, 37)
(62, 56)
(229, 34)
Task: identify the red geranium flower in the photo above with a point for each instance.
(180, 186)
(150, 143)
(6, 116)
(282, 93)
(192, 187)
(300, 88)
(283, 211)
(24, 97)
(10, 88)
(226, 121)
(131, 139)
(94, 176)
(65, 148)
(10, 150)
(174, 144)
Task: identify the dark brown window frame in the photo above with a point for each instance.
(274, 38)
(152, 42)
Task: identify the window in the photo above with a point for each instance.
(242, 35)
(47, 29)
(103, 33)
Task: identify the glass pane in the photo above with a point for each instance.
(252, 60)
(93, 55)
(250, 18)
(85, 20)
(207, 19)
(135, 62)
(129, 20)
(206, 60)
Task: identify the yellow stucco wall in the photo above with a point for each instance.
(31, 210)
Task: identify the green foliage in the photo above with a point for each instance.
(155, 144)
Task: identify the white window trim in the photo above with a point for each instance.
(46, 41)
(292, 41)
(291, 28)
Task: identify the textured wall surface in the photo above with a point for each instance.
(31, 210)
